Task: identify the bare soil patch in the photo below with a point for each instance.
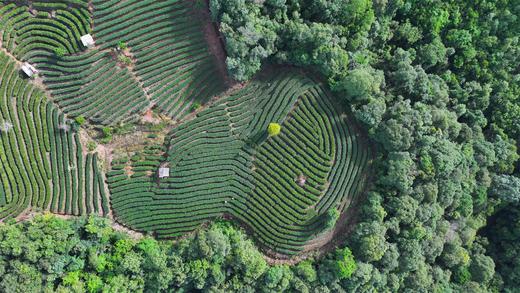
(133, 234)
(150, 117)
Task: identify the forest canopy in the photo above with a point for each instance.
(50, 254)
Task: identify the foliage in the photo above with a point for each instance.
(274, 129)
(503, 233)
(301, 32)
(156, 127)
(107, 134)
(49, 254)
(331, 219)
(345, 263)
(91, 146)
(60, 52)
(195, 106)
(121, 129)
(80, 120)
(506, 188)
(250, 38)
(124, 59)
(122, 45)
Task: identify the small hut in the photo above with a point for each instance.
(164, 172)
(28, 69)
(301, 180)
(87, 41)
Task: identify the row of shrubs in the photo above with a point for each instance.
(211, 161)
(42, 161)
(172, 58)
(42, 32)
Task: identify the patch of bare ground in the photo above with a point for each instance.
(104, 155)
(90, 6)
(150, 117)
(23, 216)
(120, 228)
(152, 129)
(84, 139)
(129, 171)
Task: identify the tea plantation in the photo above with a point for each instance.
(287, 187)
(223, 162)
(42, 160)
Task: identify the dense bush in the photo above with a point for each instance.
(60, 52)
(49, 254)
(80, 120)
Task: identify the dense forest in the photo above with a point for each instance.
(49, 254)
(435, 84)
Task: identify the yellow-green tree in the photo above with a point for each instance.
(274, 129)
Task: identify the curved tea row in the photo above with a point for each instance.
(167, 40)
(223, 162)
(43, 27)
(92, 85)
(171, 65)
(42, 164)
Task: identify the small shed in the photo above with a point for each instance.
(87, 41)
(28, 69)
(164, 172)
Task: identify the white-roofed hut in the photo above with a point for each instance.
(29, 70)
(164, 172)
(87, 41)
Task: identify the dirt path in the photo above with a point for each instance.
(4, 50)
(215, 42)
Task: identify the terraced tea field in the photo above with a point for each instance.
(166, 38)
(222, 163)
(171, 67)
(42, 163)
